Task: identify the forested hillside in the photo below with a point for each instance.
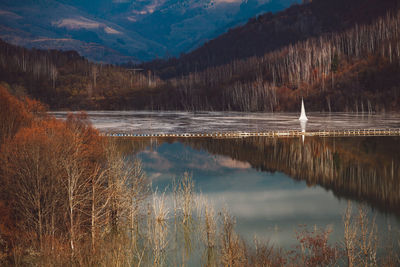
(354, 70)
(349, 66)
(118, 31)
(67, 80)
(269, 32)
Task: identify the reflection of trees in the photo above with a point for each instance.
(127, 146)
(362, 168)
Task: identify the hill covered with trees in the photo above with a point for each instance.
(271, 31)
(65, 80)
(353, 70)
(340, 57)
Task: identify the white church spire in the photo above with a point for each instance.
(303, 116)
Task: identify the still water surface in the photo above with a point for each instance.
(273, 186)
(147, 122)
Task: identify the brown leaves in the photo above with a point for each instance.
(16, 113)
(36, 163)
(314, 249)
(13, 114)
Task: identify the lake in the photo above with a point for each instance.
(272, 186)
(148, 122)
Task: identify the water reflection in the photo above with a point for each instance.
(360, 168)
(303, 125)
(273, 185)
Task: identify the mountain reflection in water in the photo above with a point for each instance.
(251, 175)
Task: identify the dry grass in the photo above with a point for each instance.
(209, 233)
(314, 249)
(195, 233)
(158, 229)
(233, 250)
(360, 238)
(265, 255)
(392, 253)
(185, 195)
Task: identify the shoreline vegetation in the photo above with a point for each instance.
(69, 197)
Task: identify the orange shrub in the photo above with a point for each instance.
(15, 113)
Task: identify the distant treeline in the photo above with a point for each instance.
(268, 32)
(65, 80)
(357, 69)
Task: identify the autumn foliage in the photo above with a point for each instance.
(16, 113)
(60, 184)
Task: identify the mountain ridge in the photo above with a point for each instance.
(123, 31)
(356, 70)
(270, 31)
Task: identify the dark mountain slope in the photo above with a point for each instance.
(353, 70)
(119, 31)
(356, 69)
(272, 31)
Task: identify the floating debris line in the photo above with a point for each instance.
(288, 133)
